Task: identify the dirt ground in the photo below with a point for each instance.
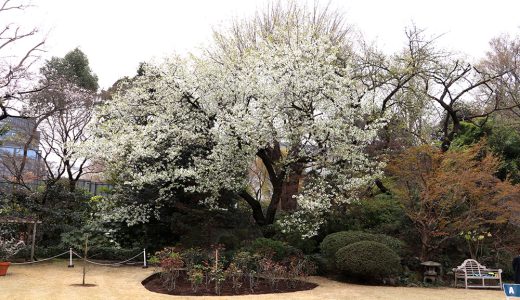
(55, 281)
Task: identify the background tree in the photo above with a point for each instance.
(446, 193)
(18, 53)
(392, 83)
(58, 114)
(503, 58)
(72, 88)
(502, 139)
(430, 91)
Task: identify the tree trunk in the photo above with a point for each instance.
(425, 249)
(381, 186)
(72, 185)
(258, 214)
(448, 138)
(291, 187)
(270, 214)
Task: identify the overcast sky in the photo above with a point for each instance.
(118, 34)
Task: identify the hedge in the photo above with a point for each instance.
(367, 260)
(333, 242)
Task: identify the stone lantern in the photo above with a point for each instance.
(433, 271)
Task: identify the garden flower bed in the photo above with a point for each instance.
(184, 287)
(261, 270)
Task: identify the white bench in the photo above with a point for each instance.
(476, 275)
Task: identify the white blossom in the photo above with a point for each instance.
(300, 93)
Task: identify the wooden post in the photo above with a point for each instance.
(71, 264)
(145, 265)
(85, 258)
(33, 241)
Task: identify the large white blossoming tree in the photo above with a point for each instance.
(280, 90)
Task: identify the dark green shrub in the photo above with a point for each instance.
(271, 248)
(368, 260)
(333, 242)
(381, 213)
(504, 262)
(320, 262)
(306, 245)
(229, 241)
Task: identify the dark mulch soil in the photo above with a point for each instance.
(183, 287)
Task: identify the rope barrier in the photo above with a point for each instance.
(109, 264)
(70, 252)
(39, 261)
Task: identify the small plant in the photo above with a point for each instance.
(272, 271)
(196, 276)
(298, 267)
(236, 275)
(217, 274)
(171, 264)
(193, 256)
(475, 240)
(154, 261)
(207, 278)
(247, 263)
(9, 245)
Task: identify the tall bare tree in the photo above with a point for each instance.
(72, 91)
(503, 58)
(20, 48)
(63, 131)
(425, 85)
(59, 113)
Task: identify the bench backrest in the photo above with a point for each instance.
(472, 267)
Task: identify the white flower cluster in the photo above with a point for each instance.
(203, 121)
(110, 210)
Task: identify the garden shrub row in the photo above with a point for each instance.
(368, 260)
(361, 254)
(333, 242)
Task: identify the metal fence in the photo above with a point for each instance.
(94, 188)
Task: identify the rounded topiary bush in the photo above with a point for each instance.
(333, 242)
(368, 260)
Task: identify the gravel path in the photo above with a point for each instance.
(55, 281)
